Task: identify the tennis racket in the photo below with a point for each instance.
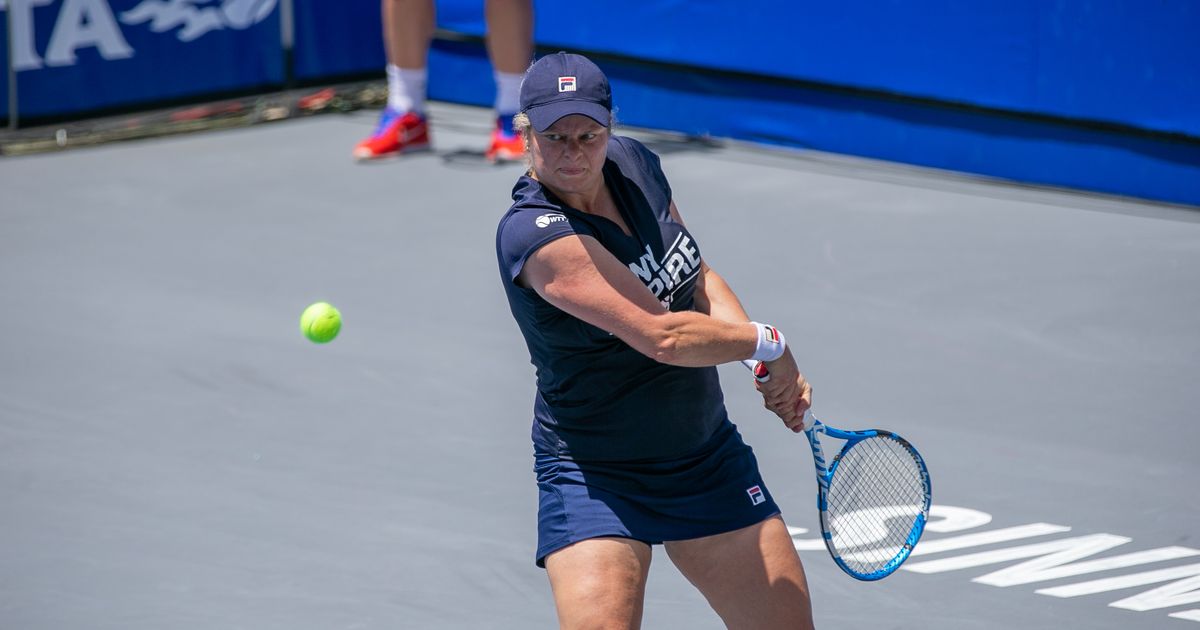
(873, 497)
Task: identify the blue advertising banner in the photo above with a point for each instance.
(75, 56)
(337, 39)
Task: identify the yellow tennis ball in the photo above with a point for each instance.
(320, 322)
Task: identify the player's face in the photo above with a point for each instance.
(569, 155)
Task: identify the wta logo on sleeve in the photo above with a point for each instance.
(546, 219)
(756, 495)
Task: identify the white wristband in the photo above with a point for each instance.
(770, 343)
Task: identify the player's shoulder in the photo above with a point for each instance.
(532, 222)
(628, 147)
(524, 220)
(527, 196)
(530, 213)
(633, 156)
(642, 166)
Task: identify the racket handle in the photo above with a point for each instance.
(762, 376)
(758, 369)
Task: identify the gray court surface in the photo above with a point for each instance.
(175, 455)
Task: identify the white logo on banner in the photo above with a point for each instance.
(91, 24)
(197, 17)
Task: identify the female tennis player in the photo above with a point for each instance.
(625, 322)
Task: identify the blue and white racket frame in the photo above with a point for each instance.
(813, 427)
(825, 472)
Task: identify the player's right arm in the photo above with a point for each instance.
(579, 276)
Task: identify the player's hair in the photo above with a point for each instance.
(522, 125)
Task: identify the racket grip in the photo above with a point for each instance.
(758, 369)
(762, 376)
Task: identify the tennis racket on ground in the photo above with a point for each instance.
(873, 497)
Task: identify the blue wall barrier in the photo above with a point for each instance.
(4, 61)
(1009, 147)
(339, 38)
(1123, 61)
(1093, 95)
(1099, 95)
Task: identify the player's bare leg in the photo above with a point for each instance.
(599, 583)
(752, 576)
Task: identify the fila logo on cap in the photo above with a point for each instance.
(566, 84)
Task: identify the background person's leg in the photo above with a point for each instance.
(407, 32)
(510, 47)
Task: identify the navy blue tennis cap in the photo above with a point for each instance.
(562, 84)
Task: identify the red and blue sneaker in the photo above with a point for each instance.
(507, 145)
(395, 134)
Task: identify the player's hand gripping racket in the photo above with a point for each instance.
(873, 497)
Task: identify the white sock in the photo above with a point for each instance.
(406, 89)
(508, 93)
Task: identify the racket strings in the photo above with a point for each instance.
(874, 497)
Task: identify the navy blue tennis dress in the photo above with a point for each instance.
(624, 445)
